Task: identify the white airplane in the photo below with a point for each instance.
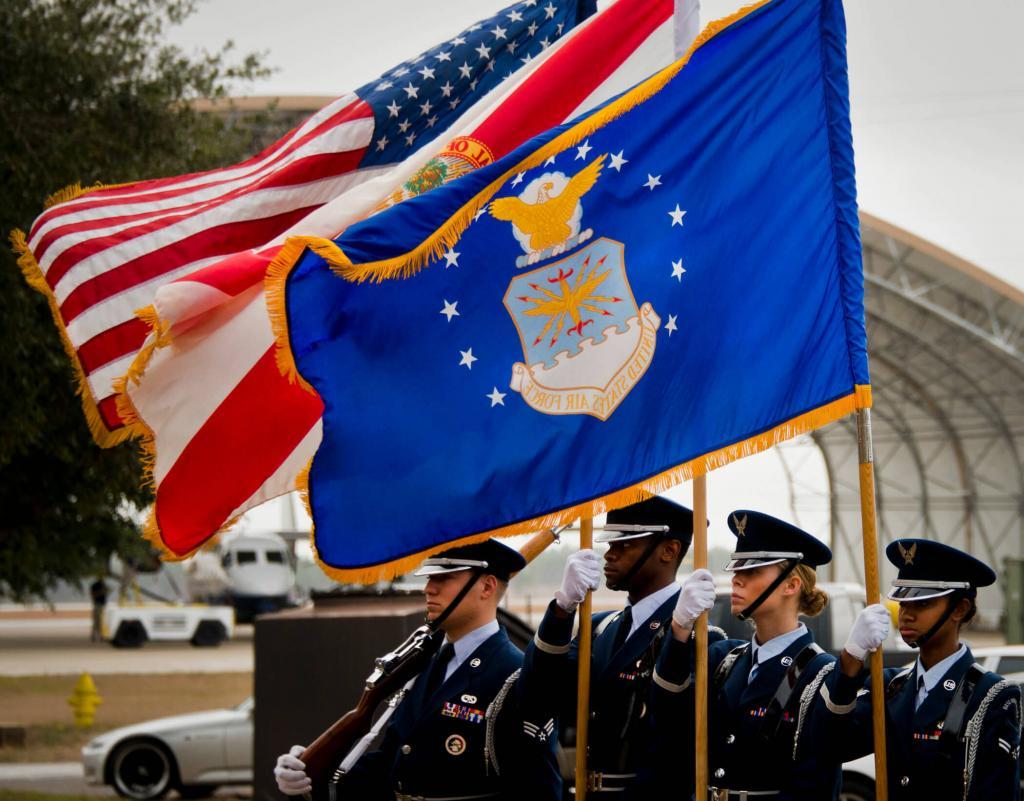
(252, 572)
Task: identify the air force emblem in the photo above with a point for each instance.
(907, 553)
(586, 342)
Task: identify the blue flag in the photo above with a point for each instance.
(671, 282)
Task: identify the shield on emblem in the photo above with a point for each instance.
(585, 341)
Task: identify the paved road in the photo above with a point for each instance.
(59, 644)
(67, 777)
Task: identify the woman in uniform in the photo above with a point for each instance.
(952, 728)
(765, 704)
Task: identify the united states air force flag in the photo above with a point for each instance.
(668, 283)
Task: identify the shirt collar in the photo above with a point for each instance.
(938, 670)
(759, 654)
(648, 605)
(470, 642)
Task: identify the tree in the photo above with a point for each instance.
(91, 92)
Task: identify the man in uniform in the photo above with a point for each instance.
(459, 731)
(629, 755)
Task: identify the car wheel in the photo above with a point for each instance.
(857, 788)
(209, 632)
(129, 634)
(197, 790)
(142, 770)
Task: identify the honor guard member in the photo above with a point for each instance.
(458, 733)
(952, 728)
(646, 544)
(765, 721)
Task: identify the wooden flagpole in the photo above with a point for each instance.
(538, 543)
(583, 677)
(870, 540)
(700, 559)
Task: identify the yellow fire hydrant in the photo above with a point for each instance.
(84, 700)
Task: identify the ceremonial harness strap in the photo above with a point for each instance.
(773, 717)
(896, 683)
(725, 666)
(954, 727)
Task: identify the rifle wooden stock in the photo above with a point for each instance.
(326, 752)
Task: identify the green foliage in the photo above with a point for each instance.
(90, 93)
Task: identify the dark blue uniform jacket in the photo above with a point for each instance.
(743, 754)
(623, 737)
(435, 746)
(984, 767)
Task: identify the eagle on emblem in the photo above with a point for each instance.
(546, 221)
(907, 553)
(741, 525)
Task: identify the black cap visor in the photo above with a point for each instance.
(618, 532)
(921, 590)
(433, 567)
(747, 560)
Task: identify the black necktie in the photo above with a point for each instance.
(625, 624)
(437, 668)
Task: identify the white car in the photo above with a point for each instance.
(192, 754)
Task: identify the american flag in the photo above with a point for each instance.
(224, 429)
(102, 255)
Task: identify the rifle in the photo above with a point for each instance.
(391, 673)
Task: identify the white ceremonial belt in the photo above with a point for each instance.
(725, 794)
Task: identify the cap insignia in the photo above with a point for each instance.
(741, 525)
(907, 553)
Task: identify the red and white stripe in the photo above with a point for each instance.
(230, 432)
(106, 253)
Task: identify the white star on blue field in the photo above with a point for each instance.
(421, 97)
(616, 170)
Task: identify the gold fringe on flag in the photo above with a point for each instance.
(860, 398)
(35, 278)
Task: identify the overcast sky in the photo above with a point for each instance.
(937, 91)
(937, 94)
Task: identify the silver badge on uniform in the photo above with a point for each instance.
(469, 699)
(655, 625)
(787, 661)
(475, 662)
(949, 684)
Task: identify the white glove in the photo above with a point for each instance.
(869, 631)
(696, 597)
(582, 572)
(290, 773)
